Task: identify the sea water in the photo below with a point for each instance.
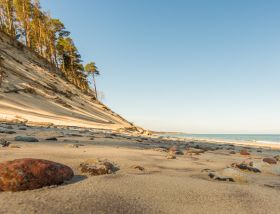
(257, 138)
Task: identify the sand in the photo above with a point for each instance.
(34, 91)
(181, 185)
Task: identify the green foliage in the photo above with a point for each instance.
(25, 21)
(92, 70)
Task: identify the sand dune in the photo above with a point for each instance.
(34, 91)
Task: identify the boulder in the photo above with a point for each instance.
(29, 174)
(4, 143)
(270, 160)
(97, 167)
(26, 139)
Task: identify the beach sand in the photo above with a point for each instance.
(180, 185)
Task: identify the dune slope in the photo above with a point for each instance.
(34, 91)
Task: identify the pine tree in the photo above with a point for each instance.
(92, 70)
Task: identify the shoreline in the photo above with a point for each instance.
(253, 143)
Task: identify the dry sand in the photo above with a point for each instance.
(180, 185)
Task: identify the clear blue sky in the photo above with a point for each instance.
(200, 66)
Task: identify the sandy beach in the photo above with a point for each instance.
(180, 185)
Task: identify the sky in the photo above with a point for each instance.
(195, 66)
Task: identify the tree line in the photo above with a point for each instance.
(25, 21)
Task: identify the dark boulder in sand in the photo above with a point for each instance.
(270, 160)
(29, 174)
(97, 167)
(26, 139)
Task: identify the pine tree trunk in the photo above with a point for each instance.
(94, 82)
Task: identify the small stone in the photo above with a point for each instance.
(97, 167)
(29, 174)
(9, 127)
(51, 139)
(248, 167)
(220, 178)
(4, 143)
(244, 152)
(270, 160)
(174, 150)
(7, 132)
(232, 152)
(76, 145)
(139, 167)
(277, 157)
(26, 139)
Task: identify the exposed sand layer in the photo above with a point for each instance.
(34, 91)
(180, 185)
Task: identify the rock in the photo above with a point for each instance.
(7, 131)
(244, 166)
(76, 145)
(232, 152)
(270, 160)
(235, 174)
(174, 150)
(219, 178)
(194, 151)
(26, 139)
(22, 128)
(4, 143)
(51, 139)
(277, 157)
(170, 156)
(9, 127)
(244, 152)
(28, 174)
(141, 168)
(97, 167)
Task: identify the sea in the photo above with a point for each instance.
(254, 138)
